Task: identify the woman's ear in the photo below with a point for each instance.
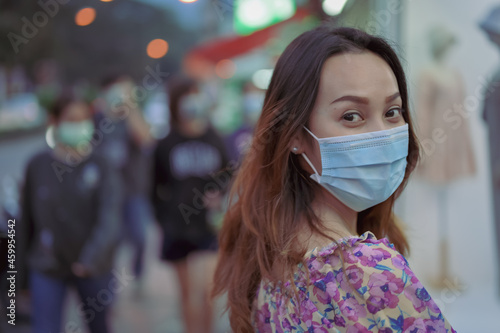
(297, 143)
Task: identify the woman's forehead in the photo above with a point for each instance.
(357, 74)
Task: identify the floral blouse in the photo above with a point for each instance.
(387, 298)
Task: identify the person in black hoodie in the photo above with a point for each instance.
(70, 223)
(189, 178)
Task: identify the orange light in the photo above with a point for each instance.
(188, 1)
(225, 69)
(157, 48)
(85, 16)
(106, 0)
(198, 67)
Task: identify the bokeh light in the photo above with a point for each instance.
(225, 69)
(198, 67)
(188, 1)
(106, 0)
(157, 48)
(254, 13)
(334, 7)
(85, 16)
(262, 78)
(50, 137)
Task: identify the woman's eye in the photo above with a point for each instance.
(352, 117)
(393, 113)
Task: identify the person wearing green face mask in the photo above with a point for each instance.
(73, 132)
(70, 223)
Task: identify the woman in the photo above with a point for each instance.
(70, 223)
(186, 185)
(303, 244)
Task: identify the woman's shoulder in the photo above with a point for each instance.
(365, 245)
(359, 257)
(365, 252)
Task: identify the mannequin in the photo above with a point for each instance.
(444, 132)
(491, 114)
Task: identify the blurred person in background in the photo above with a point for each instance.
(70, 222)
(187, 184)
(128, 145)
(491, 114)
(441, 89)
(303, 246)
(239, 141)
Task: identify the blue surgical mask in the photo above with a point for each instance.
(362, 170)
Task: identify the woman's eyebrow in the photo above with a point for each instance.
(364, 100)
(355, 99)
(392, 97)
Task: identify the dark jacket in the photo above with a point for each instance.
(70, 213)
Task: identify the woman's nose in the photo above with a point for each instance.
(378, 125)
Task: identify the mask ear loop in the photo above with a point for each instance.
(305, 156)
(314, 136)
(310, 164)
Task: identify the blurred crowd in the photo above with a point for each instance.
(127, 156)
(117, 162)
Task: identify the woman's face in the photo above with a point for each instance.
(358, 93)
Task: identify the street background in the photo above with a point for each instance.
(203, 41)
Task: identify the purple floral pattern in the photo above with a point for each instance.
(371, 290)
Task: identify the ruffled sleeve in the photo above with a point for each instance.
(376, 289)
(358, 284)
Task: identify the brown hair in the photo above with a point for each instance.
(271, 196)
(63, 100)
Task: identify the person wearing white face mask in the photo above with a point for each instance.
(306, 243)
(251, 105)
(128, 145)
(69, 229)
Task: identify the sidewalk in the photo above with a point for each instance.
(153, 305)
(156, 309)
